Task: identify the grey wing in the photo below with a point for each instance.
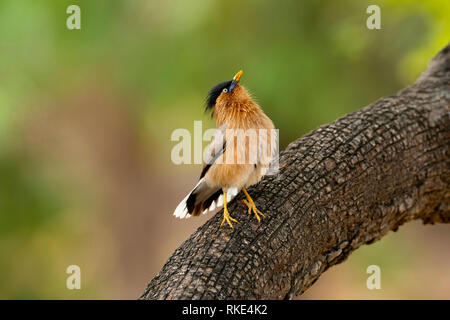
(204, 198)
(215, 149)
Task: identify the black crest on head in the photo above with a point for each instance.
(214, 93)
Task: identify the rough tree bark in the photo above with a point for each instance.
(341, 186)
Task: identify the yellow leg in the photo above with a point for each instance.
(226, 215)
(251, 206)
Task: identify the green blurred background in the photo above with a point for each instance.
(86, 117)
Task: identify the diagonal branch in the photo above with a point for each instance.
(343, 185)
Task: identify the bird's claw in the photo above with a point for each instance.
(228, 219)
(252, 207)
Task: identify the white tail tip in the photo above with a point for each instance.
(181, 210)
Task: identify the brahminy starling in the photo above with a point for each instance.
(239, 155)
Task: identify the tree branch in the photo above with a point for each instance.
(343, 185)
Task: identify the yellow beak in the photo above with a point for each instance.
(238, 76)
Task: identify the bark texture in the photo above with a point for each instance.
(343, 185)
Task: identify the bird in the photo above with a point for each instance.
(238, 120)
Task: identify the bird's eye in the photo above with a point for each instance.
(225, 90)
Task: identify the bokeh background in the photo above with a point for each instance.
(86, 117)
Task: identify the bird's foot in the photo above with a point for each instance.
(227, 218)
(252, 207)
